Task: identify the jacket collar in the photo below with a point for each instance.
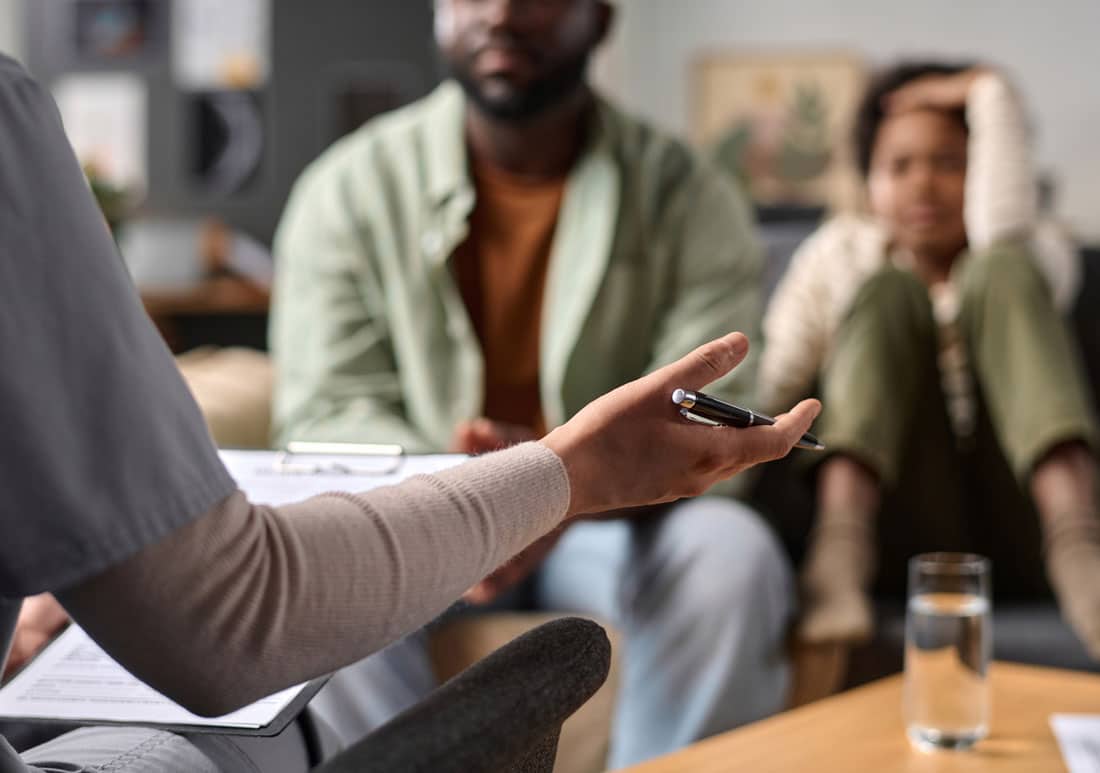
(583, 239)
(445, 143)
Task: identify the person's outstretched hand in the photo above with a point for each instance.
(631, 447)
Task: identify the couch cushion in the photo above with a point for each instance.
(233, 389)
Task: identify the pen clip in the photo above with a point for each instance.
(694, 417)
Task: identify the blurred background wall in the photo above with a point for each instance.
(1051, 49)
(329, 59)
(11, 28)
(318, 48)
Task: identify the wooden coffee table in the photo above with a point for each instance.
(862, 730)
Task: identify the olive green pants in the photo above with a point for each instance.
(884, 406)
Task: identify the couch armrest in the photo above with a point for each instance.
(502, 714)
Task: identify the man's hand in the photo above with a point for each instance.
(517, 570)
(934, 92)
(513, 572)
(39, 621)
(631, 447)
(482, 436)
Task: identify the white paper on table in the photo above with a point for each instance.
(105, 117)
(220, 45)
(256, 474)
(1079, 738)
(73, 679)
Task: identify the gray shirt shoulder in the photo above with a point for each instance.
(102, 449)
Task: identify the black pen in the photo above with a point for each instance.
(704, 409)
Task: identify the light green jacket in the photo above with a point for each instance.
(652, 256)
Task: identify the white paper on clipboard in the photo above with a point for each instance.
(74, 679)
(258, 476)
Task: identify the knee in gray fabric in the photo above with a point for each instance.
(119, 750)
(142, 750)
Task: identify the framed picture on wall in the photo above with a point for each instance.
(781, 123)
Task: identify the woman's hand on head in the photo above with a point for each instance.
(934, 92)
(631, 447)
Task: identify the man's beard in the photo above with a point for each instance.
(524, 104)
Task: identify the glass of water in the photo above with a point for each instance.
(948, 647)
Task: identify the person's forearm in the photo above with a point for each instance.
(795, 321)
(1001, 186)
(248, 600)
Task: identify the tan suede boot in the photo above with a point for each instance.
(1071, 548)
(836, 575)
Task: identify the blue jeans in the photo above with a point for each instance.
(702, 597)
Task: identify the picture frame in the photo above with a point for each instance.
(781, 122)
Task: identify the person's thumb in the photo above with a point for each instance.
(708, 363)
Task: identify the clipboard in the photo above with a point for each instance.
(302, 457)
(74, 682)
(275, 727)
(303, 470)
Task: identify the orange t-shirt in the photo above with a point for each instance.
(501, 272)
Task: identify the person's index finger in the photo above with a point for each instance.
(707, 363)
(714, 360)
